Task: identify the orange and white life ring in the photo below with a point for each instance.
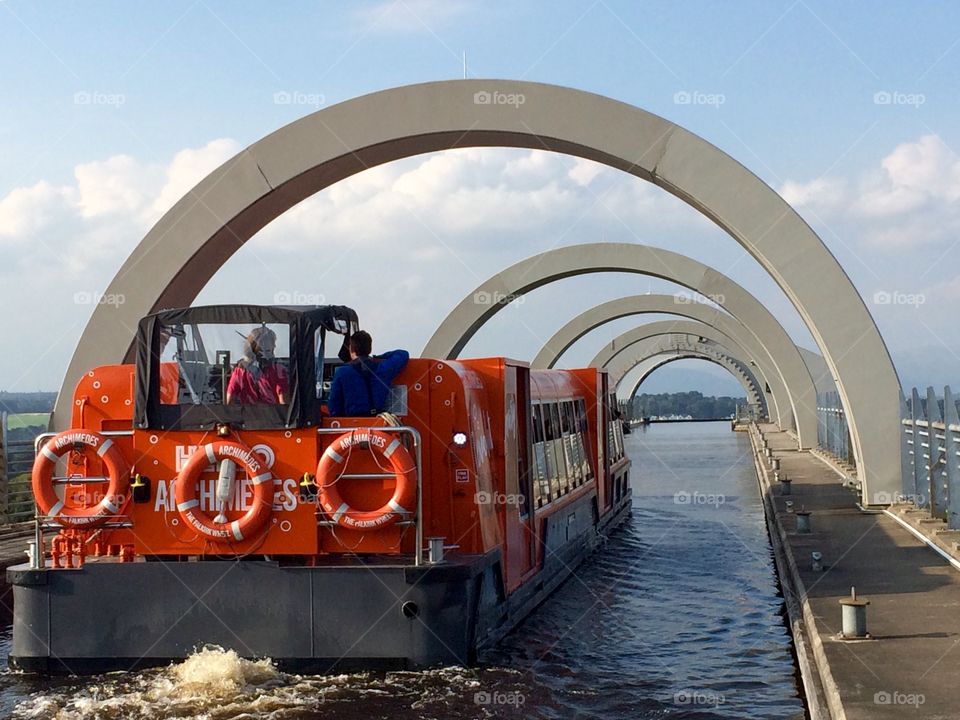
(331, 467)
(188, 505)
(44, 488)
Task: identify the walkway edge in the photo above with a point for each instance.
(925, 540)
(820, 689)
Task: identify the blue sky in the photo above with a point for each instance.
(112, 109)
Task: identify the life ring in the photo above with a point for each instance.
(44, 489)
(331, 467)
(188, 505)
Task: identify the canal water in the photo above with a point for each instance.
(679, 617)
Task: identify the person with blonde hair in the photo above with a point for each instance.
(257, 377)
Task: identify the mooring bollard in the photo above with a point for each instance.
(776, 476)
(785, 488)
(803, 521)
(775, 462)
(854, 616)
(816, 563)
(789, 506)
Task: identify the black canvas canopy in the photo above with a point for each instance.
(308, 327)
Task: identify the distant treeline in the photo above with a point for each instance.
(692, 403)
(27, 402)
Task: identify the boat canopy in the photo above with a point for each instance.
(248, 366)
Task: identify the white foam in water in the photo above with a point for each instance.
(212, 683)
(218, 684)
(216, 673)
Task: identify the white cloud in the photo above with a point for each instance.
(927, 165)
(818, 194)
(583, 171)
(28, 210)
(908, 199)
(119, 184)
(189, 167)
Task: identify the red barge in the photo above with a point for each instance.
(169, 518)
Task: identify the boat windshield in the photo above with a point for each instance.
(224, 363)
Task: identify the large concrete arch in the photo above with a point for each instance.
(195, 237)
(793, 392)
(661, 351)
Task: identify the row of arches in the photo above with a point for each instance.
(196, 237)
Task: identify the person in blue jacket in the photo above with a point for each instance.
(361, 386)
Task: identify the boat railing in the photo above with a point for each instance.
(41, 522)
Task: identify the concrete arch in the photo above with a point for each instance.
(677, 335)
(653, 352)
(656, 357)
(653, 364)
(771, 356)
(194, 238)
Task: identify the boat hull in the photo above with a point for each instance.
(334, 617)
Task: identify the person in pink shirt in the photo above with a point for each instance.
(257, 377)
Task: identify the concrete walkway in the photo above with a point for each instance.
(911, 667)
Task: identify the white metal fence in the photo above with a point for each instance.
(931, 454)
(832, 432)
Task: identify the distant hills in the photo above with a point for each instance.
(27, 402)
(694, 404)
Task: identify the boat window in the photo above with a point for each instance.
(555, 432)
(582, 436)
(611, 446)
(541, 485)
(571, 443)
(566, 417)
(561, 473)
(224, 363)
(537, 424)
(582, 415)
(550, 430)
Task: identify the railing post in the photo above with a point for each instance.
(951, 446)
(906, 439)
(935, 481)
(915, 411)
(4, 470)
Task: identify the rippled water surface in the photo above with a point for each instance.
(679, 617)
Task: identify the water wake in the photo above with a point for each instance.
(218, 684)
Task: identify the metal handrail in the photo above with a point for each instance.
(417, 445)
(39, 525)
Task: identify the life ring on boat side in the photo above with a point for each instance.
(332, 465)
(44, 487)
(261, 506)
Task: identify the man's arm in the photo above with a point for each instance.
(391, 363)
